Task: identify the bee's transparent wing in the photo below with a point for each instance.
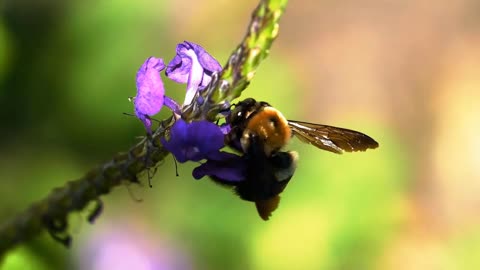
(333, 139)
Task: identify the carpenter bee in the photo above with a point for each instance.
(260, 132)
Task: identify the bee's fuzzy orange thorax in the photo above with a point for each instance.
(272, 127)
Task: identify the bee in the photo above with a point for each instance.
(260, 131)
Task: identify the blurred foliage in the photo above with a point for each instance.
(404, 72)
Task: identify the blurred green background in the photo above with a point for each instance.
(405, 72)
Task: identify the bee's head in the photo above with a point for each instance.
(241, 112)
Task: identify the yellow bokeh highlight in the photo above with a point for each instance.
(298, 241)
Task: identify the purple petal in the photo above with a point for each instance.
(150, 90)
(178, 139)
(227, 167)
(172, 105)
(194, 141)
(225, 128)
(207, 136)
(194, 66)
(179, 67)
(208, 63)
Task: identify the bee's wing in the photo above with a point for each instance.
(333, 139)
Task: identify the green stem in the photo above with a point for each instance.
(242, 64)
(52, 212)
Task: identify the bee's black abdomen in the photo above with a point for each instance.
(263, 173)
(282, 160)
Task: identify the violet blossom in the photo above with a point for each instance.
(198, 140)
(194, 66)
(194, 141)
(150, 91)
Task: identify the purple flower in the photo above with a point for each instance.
(194, 66)
(194, 141)
(200, 140)
(150, 91)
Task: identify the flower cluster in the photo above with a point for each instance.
(191, 65)
(195, 141)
